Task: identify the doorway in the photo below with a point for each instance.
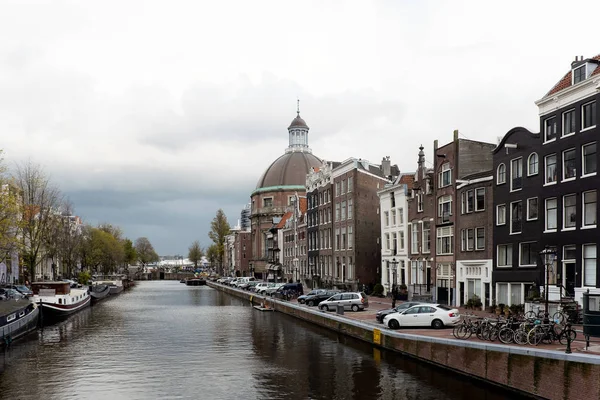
(569, 279)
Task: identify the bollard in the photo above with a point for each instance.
(568, 331)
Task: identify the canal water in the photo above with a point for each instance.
(165, 340)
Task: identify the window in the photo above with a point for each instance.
(337, 239)
(589, 265)
(569, 164)
(343, 210)
(387, 241)
(463, 240)
(343, 186)
(588, 115)
(392, 200)
(349, 184)
(501, 214)
(501, 174)
(401, 237)
(394, 243)
(589, 159)
(445, 175)
(480, 199)
(533, 164)
(268, 202)
(393, 217)
(445, 208)
(569, 211)
(414, 243)
(337, 213)
(551, 206)
(470, 201)
(401, 215)
(579, 74)
(502, 293)
(426, 237)
(480, 244)
(516, 216)
(527, 254)
(516, 174)
(470, 239)
(550, 129)
(550, 165)
(589, 208)
(568, 123)
(532, 209)
(337, 189)
(350, 201)
(419, 202)
(444, 240)
(504, 258)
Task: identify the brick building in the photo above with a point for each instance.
(276, 188)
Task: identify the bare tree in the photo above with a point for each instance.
(40, 200)
(195, 253)
(65, 238)
(145, 252)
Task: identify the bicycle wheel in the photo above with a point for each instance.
(535, 336)
(520, 336)
(493, 335)
(530, 315)
(479, 331)
(506, 335)
(459, 331)
(558, 317)
(567, 334)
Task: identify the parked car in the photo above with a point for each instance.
(290, 289)
(350, 300)
(381, 314)
(314, 299)
(272, 288)
(24, 290)
(247, 285)
(434, 315)
(311, 293)
(11, 293)
(260, 286)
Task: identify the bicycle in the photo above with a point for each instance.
(535, 315)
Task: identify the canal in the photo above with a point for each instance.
(165, 340)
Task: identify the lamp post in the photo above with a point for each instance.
(252, 270)
(548, 256)
(394, 264)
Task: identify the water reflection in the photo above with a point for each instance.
(167, 340)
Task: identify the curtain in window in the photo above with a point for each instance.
(502, 293)
(589, 265)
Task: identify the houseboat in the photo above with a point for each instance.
(115, 283)
(17, 318)
(58, 299)
(99, 292)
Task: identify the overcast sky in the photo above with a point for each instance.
(151, 115)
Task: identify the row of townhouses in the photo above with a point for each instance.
(473, 219)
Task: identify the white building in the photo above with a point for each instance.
(394, 230)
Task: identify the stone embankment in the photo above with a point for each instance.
(536, 372)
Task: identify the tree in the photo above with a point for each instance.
(101, 251)
(130, 253)
(212, 254)
(219, 229)
(195, 253)
(145, 252)
(40, 200)
(65, 239)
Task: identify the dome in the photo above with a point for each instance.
(289, 170)
(298, 122)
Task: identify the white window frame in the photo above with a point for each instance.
(564, 114)
(521, 255)
(537, 164)
(444, 232)
(386, 218)
(511, 218)
(546, 183)
(477, 209)
(508, 262)
(583, 171)
(584, 67)
(583, 209)
(441, 201)
(500, 207)
(477, 230)
(564, 212)
(393, 213)
(414, 244)
(401, 240)
(502, 167)
(537, 208)
(585, 128)
(445, 169)
(585, 282)
(519, 163)
(564, 167)
(546, 228)
(419, 202)
(425, 238)
(468, 209)
(546, 140)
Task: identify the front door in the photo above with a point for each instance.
(569, 279)
(462, 293)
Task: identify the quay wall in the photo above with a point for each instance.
(530, 371)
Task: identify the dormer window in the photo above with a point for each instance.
(579, 74)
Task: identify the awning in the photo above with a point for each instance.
(273, 267)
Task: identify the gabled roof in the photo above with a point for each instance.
(408, 179)
(513, 131)
(567, 80)
(284, 219)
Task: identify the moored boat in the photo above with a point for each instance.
(17, 318)
(115, 283)
(58, 299)
(99, 292)
(195, 282)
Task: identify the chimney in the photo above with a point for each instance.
(455, 135)
(386, 166)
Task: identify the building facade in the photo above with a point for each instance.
(393, 207)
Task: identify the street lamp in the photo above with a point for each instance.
(395, 275)
(548, 256)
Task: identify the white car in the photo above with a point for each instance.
(261, 286)
(434, 315)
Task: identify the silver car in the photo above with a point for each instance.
(350, 300)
